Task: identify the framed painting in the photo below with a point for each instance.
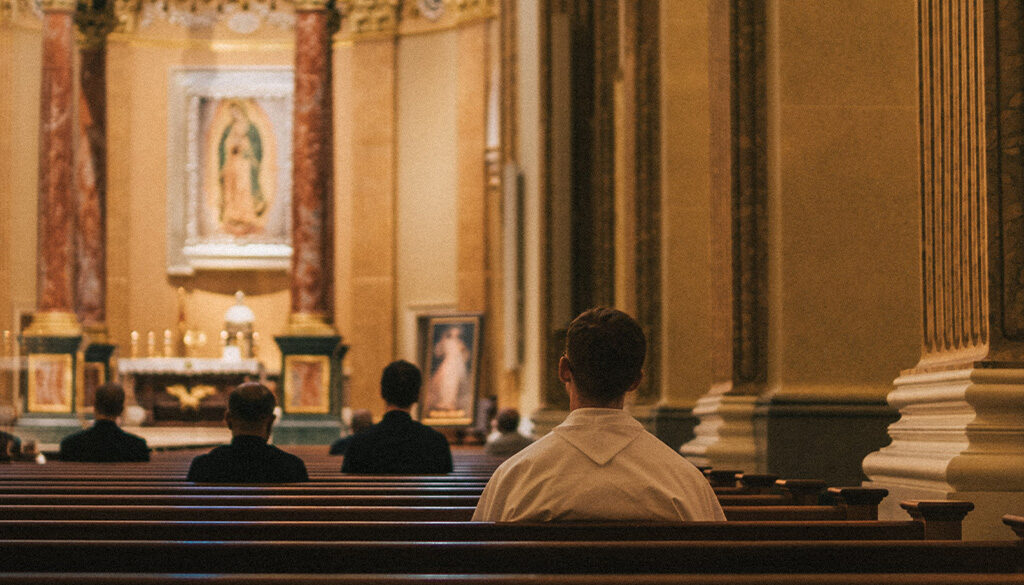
(451, 356)
(50, 380)
(229, 169)
(307, 384)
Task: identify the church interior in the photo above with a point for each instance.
(814, 208)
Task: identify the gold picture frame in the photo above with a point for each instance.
(451, 358)
(307, 384)
(50, 382)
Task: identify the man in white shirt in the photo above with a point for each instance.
(600, 463)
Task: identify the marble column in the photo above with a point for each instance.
(960, 435)
(54, 297)
(53, 338)
(312, 259)
(311, 348)
(725, 436)
(94, 23)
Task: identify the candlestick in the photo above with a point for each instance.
(8, 350)
(134, 344)
(168, 350)
(150, 344)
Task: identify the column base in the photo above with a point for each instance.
(805, 438)
(672, 424)
(309, 325)
(725, 437)
(959, 438)
(46, 429)
(310, 395)
(53, 324)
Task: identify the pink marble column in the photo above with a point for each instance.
(56, 197)
(312, 258)
(90, 187)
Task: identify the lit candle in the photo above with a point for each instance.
(150, 344)
(168, 350)
(7, 342)
(135, 344)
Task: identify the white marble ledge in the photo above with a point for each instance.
(180, 365)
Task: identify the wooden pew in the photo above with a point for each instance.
(491, 579)
(526, 557)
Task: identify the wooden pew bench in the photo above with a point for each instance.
(525, 557)
(491, 579)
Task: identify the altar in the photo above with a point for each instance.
(179, 391)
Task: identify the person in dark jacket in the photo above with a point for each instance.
(105, 441)
(248, 459)
(398, 444)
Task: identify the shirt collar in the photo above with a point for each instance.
(599, 433)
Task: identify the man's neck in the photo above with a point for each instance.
(99, 416)
(392, 408)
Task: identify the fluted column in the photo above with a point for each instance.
(311, 353)
(960, 434)
(312, 259)
(54, 298)
(725, 435)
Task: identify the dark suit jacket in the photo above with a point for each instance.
(248, 459)
(339, 446)
(398, 444)
(103, 442)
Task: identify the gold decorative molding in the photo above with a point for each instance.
(58, 5)
(372, 16)
(308, 5)
(311, 324)
(474, 9)
(54, 324)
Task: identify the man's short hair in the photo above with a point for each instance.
(362, 419)
(109, 400)
(400, 384)
(251, 402)
(606, 350)
(508, 420)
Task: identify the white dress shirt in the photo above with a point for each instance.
(599, 464)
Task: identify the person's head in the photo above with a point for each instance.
(362, 419)
(400, 384)
(109, 401)
(508, 420)
(604, 357)
(250, 410)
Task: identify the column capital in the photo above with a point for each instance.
(311, 5)
(58, 5)
(93, 26)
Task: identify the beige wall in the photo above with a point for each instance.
(845, 304)
(427, 211)
(141, 296)
(19, 162)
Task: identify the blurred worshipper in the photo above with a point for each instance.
(362, 419)
(105, 441)
(10, 446)
(509, 441)
(398, 444)
(600, 463)
(248, 459)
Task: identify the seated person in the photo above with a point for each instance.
(398, 444)
(105, 441)
(509, 441)
(10, 446)
(248, 459)
(600, 463)
(362, 419)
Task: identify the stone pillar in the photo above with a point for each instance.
(311, 352)
(960, 435)
(53, 338)
(94, 23)
(725, 436)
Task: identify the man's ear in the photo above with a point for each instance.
(227, 418)
(564, 370)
